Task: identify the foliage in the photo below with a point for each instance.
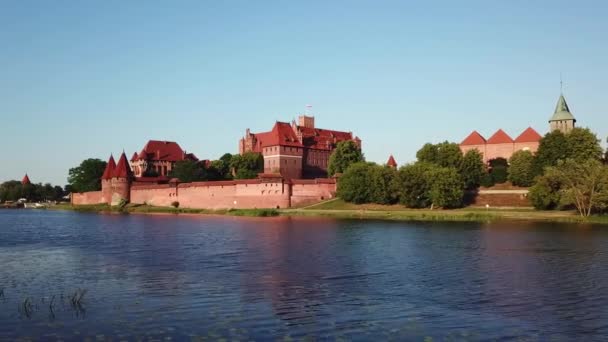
(354, 183)
(521, 172)
(175, 204)
(87, 176)
(444, 154)
(345, 154)
(247, 165)
(383, 186)
(447, 187)
(499, 170)
(188, 171)
(413, 184)
(583, 185)
(472, 169)
(580, 144)
(486, 180)
(13, 190)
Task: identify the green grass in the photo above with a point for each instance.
(147, 209)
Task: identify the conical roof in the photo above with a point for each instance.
(529, 135)
(25, 180)
(562, 112)
(391, 161)
(134, 157)
(123, 170)
(109, 171)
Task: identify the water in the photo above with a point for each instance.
(190, 278)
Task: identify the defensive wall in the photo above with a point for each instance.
(238, 194)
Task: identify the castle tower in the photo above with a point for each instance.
(391, 162)
(121, 181)
(562, 120)
(26, 180)
(106, 181)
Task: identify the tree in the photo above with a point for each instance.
(472, 169)
(247, 165)
(551, 148)
(345, 154)
(444, 154)
(383, 184)
(414, 185)
(583, 185)
(188, 171)
(579, 144)
(521, 172)
(499, 170)
(582, 144)
(354, 184)
(447, 187)
(87, 176)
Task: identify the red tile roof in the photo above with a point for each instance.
(500, 137)
(322, 139)
(26, 180)
(123, 170)
(529, 135)
(110, 167)
(163, 150)
(283, 134)
(391, 161)
(474, 139)
(134, 157)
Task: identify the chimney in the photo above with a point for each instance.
(306, 121)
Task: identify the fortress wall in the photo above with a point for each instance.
(87, 198)
(480, 148)
(494, 151)
(235, 194)
(530, 146)
(157, 195)
(305, 192)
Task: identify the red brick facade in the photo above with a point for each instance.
(500, 144)
(157, 158)
(296, 150)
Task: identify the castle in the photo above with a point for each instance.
(296, 150)
(501, 145)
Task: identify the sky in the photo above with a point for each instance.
(84, 79)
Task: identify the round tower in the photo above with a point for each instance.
(121, 181)
(106, 181)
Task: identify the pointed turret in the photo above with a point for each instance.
(562, 119)
(123, 170)
(391, 162)
(110, 167)
(25, 180)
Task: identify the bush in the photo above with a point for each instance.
(175, 204)
(521, 172)
(354, 185)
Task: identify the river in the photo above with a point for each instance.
(72, 276)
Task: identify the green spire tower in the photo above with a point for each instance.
(562, 119)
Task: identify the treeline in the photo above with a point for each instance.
(13, 191)
(567, 172)
(438, 178)
(229, 166)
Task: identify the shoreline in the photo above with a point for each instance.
(361, 212)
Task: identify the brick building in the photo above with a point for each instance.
(501, 145)
(157, 158)
(296, 150)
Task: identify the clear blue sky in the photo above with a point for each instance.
(82, 79)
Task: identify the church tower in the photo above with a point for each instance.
(562, 120)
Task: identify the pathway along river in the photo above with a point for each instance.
(71, 275)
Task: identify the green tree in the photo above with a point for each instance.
(188, 171)
(414, 185)
(521, 169)
(444, 154)
(383, 185)
(345, 154)
(354, 184)
(545, 193)
(550, 149)
(499, 170)
(447, 187)
(10, 191)
(87, 176)
(472, 169)
(582, 144)
(247, 165)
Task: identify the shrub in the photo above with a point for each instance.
(175, 204)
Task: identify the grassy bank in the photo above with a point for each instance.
(147, 209)
(341, 210)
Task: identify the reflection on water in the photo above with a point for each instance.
(70, 276)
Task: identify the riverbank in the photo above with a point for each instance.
(340, 210)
